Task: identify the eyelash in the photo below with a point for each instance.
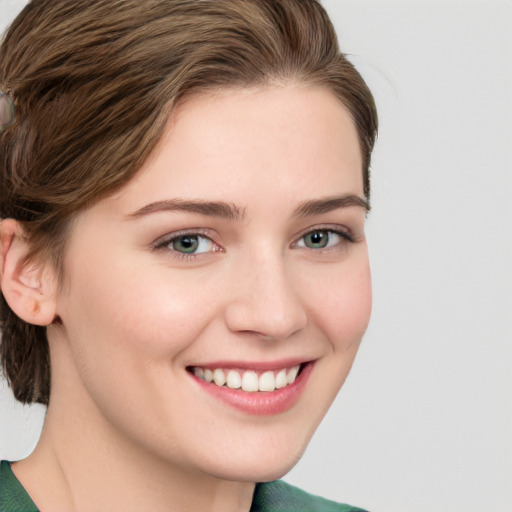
(346, 236)
(164, 243)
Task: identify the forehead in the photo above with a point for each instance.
(298, 139)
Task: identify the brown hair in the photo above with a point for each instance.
(94, 84)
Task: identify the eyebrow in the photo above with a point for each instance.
(219, 209)
(231, 211)
(328, 204)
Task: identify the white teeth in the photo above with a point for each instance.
(249, 380)
(234, 380)
(292, 374)
(281, 380)
(219, 377)
(267, 382)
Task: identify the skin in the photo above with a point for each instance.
(127, 427)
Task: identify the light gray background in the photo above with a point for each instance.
(424, 421)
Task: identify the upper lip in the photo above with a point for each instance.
(253, 365)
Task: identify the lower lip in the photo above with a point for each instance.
(260, 403)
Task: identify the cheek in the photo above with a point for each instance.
(147, 315)
(343, 308)
(125, 332)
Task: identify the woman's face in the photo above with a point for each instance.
(237, 253)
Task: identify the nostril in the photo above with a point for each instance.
(269, 320)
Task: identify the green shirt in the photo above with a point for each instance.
(270, 497)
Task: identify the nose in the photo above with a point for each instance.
(265, 300)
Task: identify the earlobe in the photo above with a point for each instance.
(28, 286)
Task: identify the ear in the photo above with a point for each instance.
(29, 287)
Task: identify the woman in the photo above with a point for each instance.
(184, 276)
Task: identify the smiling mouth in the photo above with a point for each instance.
(251, 381)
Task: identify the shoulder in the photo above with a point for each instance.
(281, 497)
(13, 498)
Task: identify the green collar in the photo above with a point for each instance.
(279, 496)
(13, 497)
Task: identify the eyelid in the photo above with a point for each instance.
(164, 241)
(343, 231)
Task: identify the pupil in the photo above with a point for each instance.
(318, 239)
(187, 244)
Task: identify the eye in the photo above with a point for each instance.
(191, 244)
(187, 244)
(323, 239)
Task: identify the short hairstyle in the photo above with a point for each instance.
(94, 84)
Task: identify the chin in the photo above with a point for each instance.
(262, 465)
